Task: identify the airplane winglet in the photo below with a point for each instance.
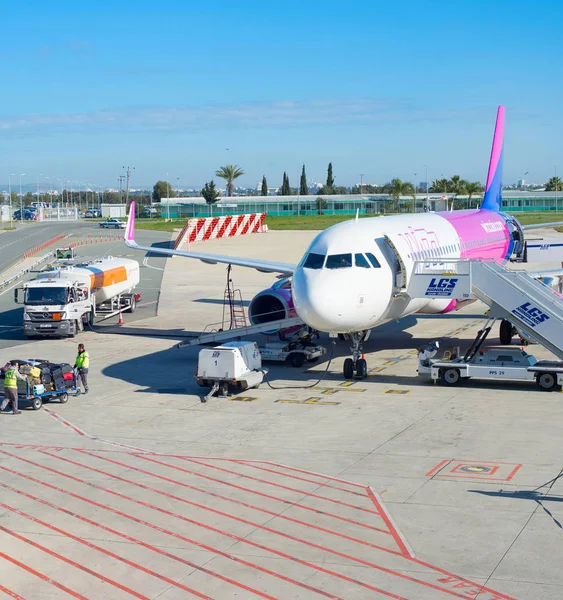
(130, 228)
(493, 190)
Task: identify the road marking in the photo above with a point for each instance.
(242, 399)
(313, 400)
(402, 392)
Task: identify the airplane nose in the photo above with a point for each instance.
(338, 301)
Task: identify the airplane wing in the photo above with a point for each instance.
(252, 263)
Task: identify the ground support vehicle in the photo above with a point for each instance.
(494, 363)
(293, 354)
(232, 367)
(62, 301)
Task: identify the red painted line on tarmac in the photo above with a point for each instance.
(263, 495)
(239, 502)
(72, 563)
(10, 593)
(65, 422)
(43, 577)
(246, 522)
(99, 548)
(92, 437)
(323, 484)
(515, 470)
(405, 551)
(130, 539)
(172, 533)
(438, 467)
(279, 485)
(269, 462)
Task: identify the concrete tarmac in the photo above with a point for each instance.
(152, 269)
(384, 488)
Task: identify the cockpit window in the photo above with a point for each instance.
(361, 261)
(373, 260)
(339, 261)
(314, 261)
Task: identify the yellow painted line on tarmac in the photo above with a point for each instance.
(401, 392)
(242, 399)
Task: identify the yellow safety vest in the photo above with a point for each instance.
(11, 381)
(83, 360)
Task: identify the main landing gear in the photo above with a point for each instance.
(357, 364)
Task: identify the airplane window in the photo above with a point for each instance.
(338, 261)
(373, 260)
(361, 261)
(314, 261)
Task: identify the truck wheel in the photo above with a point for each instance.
(37, 403)
(63, 398)
(133, 305)
(296, 359)
(451, 377)
(547, 382)
(505, 332)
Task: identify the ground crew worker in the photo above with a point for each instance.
(11, 387)
(81, 365)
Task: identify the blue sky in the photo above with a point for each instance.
(182, 88)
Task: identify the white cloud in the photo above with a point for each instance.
(249, 115)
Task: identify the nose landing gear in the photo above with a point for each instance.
(357, 364)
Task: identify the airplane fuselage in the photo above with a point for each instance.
(351, 277)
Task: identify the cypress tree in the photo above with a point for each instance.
(264, 186)
(329, 177)
(285, 189)
(303, 189)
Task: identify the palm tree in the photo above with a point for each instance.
(398, 188)
(440, 185)
(472, 188)
(456, 186)
(229, 173)
(554, 185)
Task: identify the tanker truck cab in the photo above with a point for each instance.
(54, 306)
(61, 302)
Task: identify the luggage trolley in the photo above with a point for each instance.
(62, 387)
(37, 399)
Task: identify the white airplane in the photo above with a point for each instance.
(349, 280)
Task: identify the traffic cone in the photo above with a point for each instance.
(120, 322)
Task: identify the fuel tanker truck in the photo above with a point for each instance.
(61, 301)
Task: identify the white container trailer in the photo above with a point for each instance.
(234, 365)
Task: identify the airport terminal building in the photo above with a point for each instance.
(367, 204)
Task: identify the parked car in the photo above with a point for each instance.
(149, 212)
(93, 213)
(28, 215)
(113, 224)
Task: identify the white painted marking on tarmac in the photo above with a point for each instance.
(145, 264)
(10, 288)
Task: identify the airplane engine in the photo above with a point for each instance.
(272, 304)
(439, 306)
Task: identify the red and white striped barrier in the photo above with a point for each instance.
(209, 228)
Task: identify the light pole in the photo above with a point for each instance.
(556, 207)
(361, 183)
(127, 189)
(168, 203)
(37, 186)
(414, 199)
(10, 193)
(21, 198)
(427, 197)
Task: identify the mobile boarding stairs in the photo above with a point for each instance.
(533, 307)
